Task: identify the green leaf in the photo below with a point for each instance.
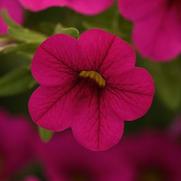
(168, 82)
(69, 31)
(27, 48)
(16, 81)
(5, 43)
(45, 134)
(20, 33)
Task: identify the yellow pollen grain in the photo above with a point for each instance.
(94, 76)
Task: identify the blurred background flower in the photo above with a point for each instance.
(156, 31)
(89, 7)
(17, 140)
(153, 156)
(14, 9)
(145, 156)
(64, 159)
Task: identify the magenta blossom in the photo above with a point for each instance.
(16, 145)
(157, 26)
(15, 11)
(65, 160)
(89, 7)
(90, 85)
(153, 157)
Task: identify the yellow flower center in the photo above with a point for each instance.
(95, 76)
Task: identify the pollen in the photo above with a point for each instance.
(95, 76)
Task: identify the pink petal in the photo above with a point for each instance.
(96, 126)
(156, 31)
(95, 45)
(3, 27)
(16, 133)
(158, 37)
(14, 9)
(93, 124)
(105, 52)
(121, 58)
(89, 7)
(139, 9)
(99, 134)
(51, 108)
(130, 95)
(35, 5)
(55, 61)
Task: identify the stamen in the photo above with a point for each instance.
(93, 75)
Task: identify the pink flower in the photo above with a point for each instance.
(65, 160)
(89, 7)
(153, 156)
(14, 9)
(16, 145)
(90, 85)
(157, 26)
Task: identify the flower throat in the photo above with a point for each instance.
(95, 76)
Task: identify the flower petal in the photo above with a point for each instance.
(121, 58)
(89, 7)
(139, 9)
(35, 5)
(78, 107)
(14, 9)
(55, 61)
(51, 108)
(105, 52)
(95, 44)
(96, 126)
(158, 37)
(131, 94)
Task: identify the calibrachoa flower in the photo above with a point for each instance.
(65, 160)
(16, 145)
(15, 11)
(90, 85)
(153, 156)
(157, 26)
(89, 7)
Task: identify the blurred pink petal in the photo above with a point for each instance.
(63, 160)
(17, 144)
(88, 7)
(95, 107)
(15, 11)
(156, 30)
(153, 156)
